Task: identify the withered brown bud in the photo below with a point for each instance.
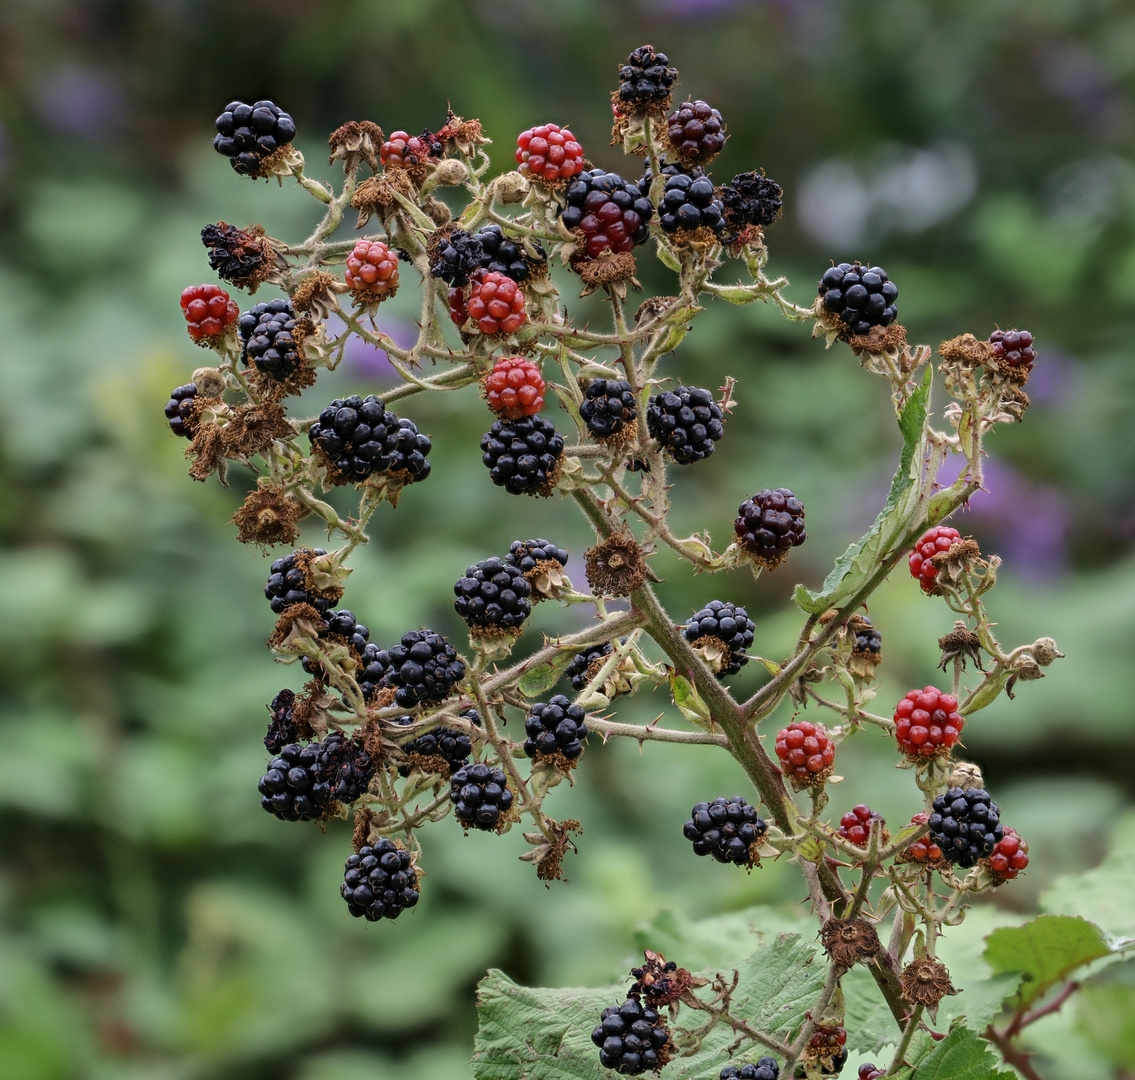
(315, 293)
(847, 941)
(355, 141)
(254, 428)
(965, 774)
(461, 134)
(379, 194)
(436, 211)
(879, 339)
(242, 257)
(960, 644)
(209, 381)
(607, 268)
(966, 350)
(925, 982)
(550, 847)
(510, 187)
(1044, 651)
(268, 516)
(451, 172)
(616, 566)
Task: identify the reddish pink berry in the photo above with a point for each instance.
(805, 751)
(495, 303)
(548, 153)
(927, 723)
(372, 268)
(404, 151)
(855, 825)
(1010, 856)
(456, 300)
(932, 542)
(924, 850)
(1013, 347)
(208, 311)
(515, 388)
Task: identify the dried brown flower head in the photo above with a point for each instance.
(925, 982)
(847, 941)
(615, 567)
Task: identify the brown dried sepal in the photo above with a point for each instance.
(660, 981)
(495, 635)
(361, 837)
(267, 390)
(879, 339)
(750, 238)
(654, 307)
(1014, 401)
(557, 761)
(253, 428)
(714, 651)
(252, 252)
(847, 941)
(356, 141)
(379, 195)
(295, 622)
(965, 351)
(463, 135)
(549, 850)
(925, 982)
(605, 268)
(268, 516)
(315, 293)
(953, 564)
(960, 644)
(631, 124)
(547, 580)
(701, 239)
(207, 453)
(615, 567)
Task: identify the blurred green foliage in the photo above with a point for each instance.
(154, 922)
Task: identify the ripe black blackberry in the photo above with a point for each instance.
(523, 456)
(454, 255)
(281, 725)
(379, 882)
(696, 132)
(751, 198)
(481, 798)
(966, 824)
(287, 582)
(769, 524)
(723, 630)
(247, 134)
(493, 596)
(346, 766)
(267, 338)
(179, 410)
(688, 203)
(295, 787)
(613, 215)
(360, 437)
(424, 669)
(859, 296)
(867, 646)
(632, 1038)
(373, 668)
(608, 407)
(646, 78)
(506, 256)
(441, 745)
(527, 555)
(765, 1068)
(578, 672)
(687, 422)
(241, 258)
(727, 829)
(341, 626)
(555, 730)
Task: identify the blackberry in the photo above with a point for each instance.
(578, 672)
(247, 134)
(493, 596)
(611, 214)
(548, 153)
(454, 255)
(295, 788)
(750, 198)
(523, 456)
(424, 669)
(966, 825)
(243, 259)
(505, 256)
(632, 1038)
(282, 726)
(764, 1068)
(515, 388)
(727, 829)
(495, 303)
(935, 541)
(208, 312)
(342, 626)
(927, 723)
(827, 1046)
(267, 337)
(860, 297)
(287, 579)
(689, 202)
(696, 132)
(1010, 856)
(359, 438)
(868, 640)
(646, 78)
(180, 408)
(730, 631)
(855, 825)
(373, 669)
(481, 798)
(769, 524)
(869, 1071)
(528, 555)
(1013, 348)
(608, 407)
(372, 271)
(687, 422)
(555, 730)
(379, 882)
(806, 753)
(347, 767)
(452, 747)
(405, 151)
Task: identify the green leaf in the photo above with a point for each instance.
(1045, 951)
(961, 1055)
(1105, 1012)
(544, 676)
(859, 561)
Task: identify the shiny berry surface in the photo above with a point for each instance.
(855, 825)
(208, 311)
(515, 388)
(548, 153)
(1010, 856)
(1013, 347)
(372, 268)
(927, 723)
(805, 751)
(495, 303)
(932, 542)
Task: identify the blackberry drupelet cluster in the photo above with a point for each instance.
(503, 255)
(688, 203)
(751, 198)
(238, 257)
(379, 882)
(632, 1038)
(727, 829)
(855, 825)
(360, 438)
(806, 752)
(295, 787)
(828, 1047)
(340, 625)
(372, 270)
(451, 746)
(405, 151)
(347, 766)
(281, 724)
(646, 78)
(1009, 856)
(529, 554)
(923, 850)
(696, 132)
(927, 723)
(495, 303)
(423, 668)
(481, 797)
(935, 541)
(859, 296)
(687, 422)
(612, 214)
(267, 336)
(769, 524)
(578, 671)
(515, 388)
(247, 134)
(555, 729)
(373, 668)
(548, 153)
(493, 596)
(966, 824)
(286, 584)
(208, 312)
(179, 410)
(727, 624)
(608, 407)
(455, 255)
(1014, 348)
(868, 641)
(764, 1068)
(523, 456)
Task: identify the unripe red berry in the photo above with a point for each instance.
(208, 311)
(805, 751)
(548, 153)
(855, 825)
(927, 723)
(515, 388)
(372, 269)
(495, 303)
(1010, 856)
(932, 542)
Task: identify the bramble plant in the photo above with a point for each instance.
(401, 736)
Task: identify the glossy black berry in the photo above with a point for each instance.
(295, 787)
(577, 672)
(442, 746)
(281, 723)
(246, 134)
(696, 132)
(379, 882)
(725, 829)
(632, 1038)
(556, 727)
(729, 625)
(341, 626)
(765, 1068)
(612, 214)
(966, 824)
(267, 337)
(868, 640)
(646, 78)
(751, 199)
(608, 407)
(481, 797)
(859, 296)
(361, 438)
(238, 257)
(454, 256)
(493, 594)
(687, 422)
(506, 256)
(179, 410)
(286, 583)
(769, 524)
(527, 555)
(372, 671)
(424, 669)
(689, 202)
(523, 456)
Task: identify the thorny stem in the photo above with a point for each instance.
(909, 1028)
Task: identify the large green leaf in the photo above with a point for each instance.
(961, 1055)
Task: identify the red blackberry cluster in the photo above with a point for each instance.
(632, 1038)
(932, 542)
(927, 723)
(548, 153)
(372, 270)
(577, 671)
(515, 388)
(728, 625)
(267, 339)
(611, 214)
(455, 255)
(281, 725)
(608, 407)
(423, 668)
(505, 256)
(769, 524)
(481, 797)
(688, 203)
(750, 198)
(247, 134)
(523, 456)
(827, 1046)
(805, 751)
(725, 828)
(379, 882)
(646, 78)
(238, 257)
(1013, 347)
(208, 311)
(555, 729)
(495, 303)
(687, 422)
(493, 596)
(286, 583)
(1010, 855)
(966, 824)
(696, 132)
(860, 297)
(179, 410)
(855, 825)
(360, 438)
(404, 151)
(451, 746)
(868, 1071)
(764, 1068)
(924, 850)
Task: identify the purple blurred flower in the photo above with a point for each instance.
(81, 102)
(368, 361)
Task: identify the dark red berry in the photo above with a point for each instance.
(208, 311)
(696, 132)
(932, 542)
(548, 153)
(927, 723)
(611, 214)
(515, 388)
(372, 269)
(1013, 347)
(1010, 855)
(180, 410)
(495, 303)
(404, 151)
(855, 825)
(769, 524)
(805, 751)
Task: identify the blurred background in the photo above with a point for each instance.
(154, 921)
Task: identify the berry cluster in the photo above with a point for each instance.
(688, 203)
(724, 629)
(646, 78)
(855, 826)
(295, 787)
(372, 270)
(632, 1038)
(379, 882)
(555, 730)
(966, 824)
(769, 524)
(282, 724)
(859, 297)
(1014, 348)
(288, 582)
(523, 456)
(923, 850)
(439, 749)
(578, 672)
(180, 409)
(481, 797)
(504, 255)
(267, 336)
(359, 438)
(247, 134)
(611, 214)
(806, 752)
(404, 151)
(927, 723)
(608, 407)
(492, 597)
(548, 153)
(764, 1068)
(208, 311)
(1010, 855)
(515, 388)
(727, 829)
(696, 132)
(423, 668)
(687, 422)
(495, 303)
(933, 542)
(827, 1046)
(750, 198)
